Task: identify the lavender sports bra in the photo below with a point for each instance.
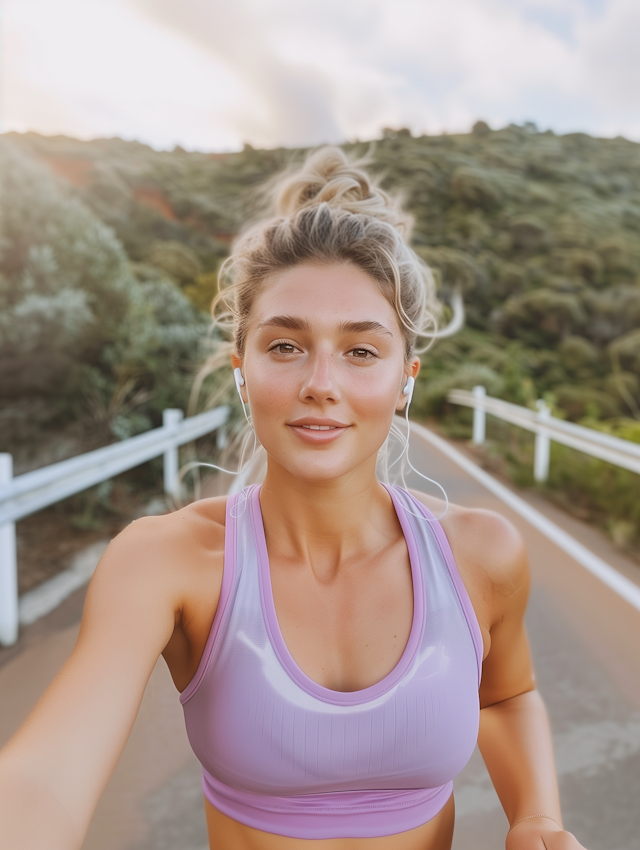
(285, 755)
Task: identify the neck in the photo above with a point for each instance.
(327, 523)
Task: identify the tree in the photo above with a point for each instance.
(80, 333)
(64, 285)
(475, 188)
(542, 315)
(175, 259)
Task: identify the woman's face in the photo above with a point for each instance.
(324, 370)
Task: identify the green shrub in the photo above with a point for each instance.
(475, 188)
(457, 270)
(65, 284)
(580, 401)
(597, 490)
(528, 232)
(572, 232)
(174, 259)
(542, 316)
(578, 355)
(578, 262)
(430, 394)
(626, 350)
(87, 340)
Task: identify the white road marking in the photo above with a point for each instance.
(48, 595)
(620, 584)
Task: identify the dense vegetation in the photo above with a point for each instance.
(109, 252)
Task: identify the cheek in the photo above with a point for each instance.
(374, 390)
(375, 403)
(271, 390)
(272, 399)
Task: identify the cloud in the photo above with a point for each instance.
(215, 73)
(320, 73)
(293, 98)
(610, 58)
(103, 69)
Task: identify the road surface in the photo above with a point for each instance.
(586, 645)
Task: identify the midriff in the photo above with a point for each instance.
(228, 834)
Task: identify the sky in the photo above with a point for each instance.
(215, 74)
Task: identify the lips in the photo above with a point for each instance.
(318, 431)
(321, 422)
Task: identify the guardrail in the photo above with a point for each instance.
(614, 450)
(35, 490)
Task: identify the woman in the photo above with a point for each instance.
(332, 642)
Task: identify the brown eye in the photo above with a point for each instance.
(362, 353)
(283, 348)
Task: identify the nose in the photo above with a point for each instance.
(319, 383)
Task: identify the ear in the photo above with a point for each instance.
(237, 363)
(412, 367)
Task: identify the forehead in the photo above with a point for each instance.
(325, 294)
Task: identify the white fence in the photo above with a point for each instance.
(619, 452)
(35, 490)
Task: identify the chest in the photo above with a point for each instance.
(282, 706)
(260, 723)
(346, 632)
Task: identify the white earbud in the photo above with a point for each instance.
(408, 387)
(237, 374)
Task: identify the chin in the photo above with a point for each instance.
(321, 467)
(317, 473)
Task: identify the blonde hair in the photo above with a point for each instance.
(328, 211)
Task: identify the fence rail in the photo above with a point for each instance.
(35, 490)
(547, 428)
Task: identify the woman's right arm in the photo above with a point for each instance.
(54, 769)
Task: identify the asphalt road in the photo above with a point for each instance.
(586, 644)
(586, 647)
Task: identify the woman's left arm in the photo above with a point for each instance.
(515, 742)
(515, 738)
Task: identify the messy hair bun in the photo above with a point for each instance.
(328, 177)
(329, 210)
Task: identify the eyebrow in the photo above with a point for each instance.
(363, 327)
(294, 323)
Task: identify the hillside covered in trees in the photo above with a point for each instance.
(109, 253)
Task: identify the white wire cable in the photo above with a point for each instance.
(242, 467)
(417, 471)
(404, 458)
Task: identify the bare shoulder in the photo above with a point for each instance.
(488, 548)
(155, 541)
(159, 558)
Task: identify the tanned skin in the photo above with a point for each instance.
(322, 342)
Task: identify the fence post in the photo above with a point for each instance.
(8, 566)
(222, 438)
(541, 456)
(170, 418)
(479, 417)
